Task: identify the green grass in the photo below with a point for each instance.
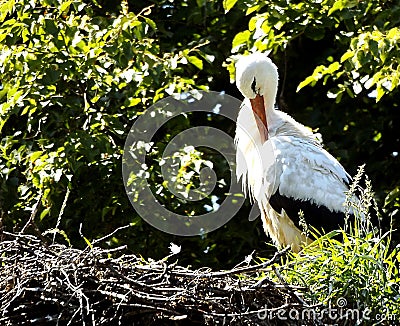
(359, 276)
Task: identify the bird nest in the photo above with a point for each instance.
(57, 284)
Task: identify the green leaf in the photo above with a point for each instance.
(64, 8)
(338, 5)
(195, 61)
(36, 180)
(151, 23)
(346, 56)
(88, 242)
(394, 33)
(44, 213)
(134, 102)
(392, 196)
(51, 76)
(252, 9)
(51, 27)
(333, 67)
(377, 137)
(35, 155)
(253, 23)
(380, 91)
(6, 8)
(305, 82)
(240, 39)
(315, 33)
(228, 4)
(395, 80)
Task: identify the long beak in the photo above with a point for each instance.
(257, 104)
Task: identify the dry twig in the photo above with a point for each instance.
(55, 284)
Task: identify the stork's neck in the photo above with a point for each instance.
(269, 104)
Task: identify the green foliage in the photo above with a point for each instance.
(71, 84)
(364, 31)
(361, 270)
(369, 51)
(75, 75)
(357, 278)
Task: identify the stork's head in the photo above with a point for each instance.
(256, 74)
(257, 79)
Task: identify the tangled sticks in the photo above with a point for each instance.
(56, 284)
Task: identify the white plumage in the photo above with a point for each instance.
(285, 166)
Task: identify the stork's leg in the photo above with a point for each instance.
(281, 229)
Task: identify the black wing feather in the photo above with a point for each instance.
(320, 217)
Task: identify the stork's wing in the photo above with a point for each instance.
(308, 172)
(310, 179)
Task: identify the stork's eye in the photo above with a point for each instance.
(253, 86)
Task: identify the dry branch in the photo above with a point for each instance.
(55, 284)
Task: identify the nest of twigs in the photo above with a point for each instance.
(57, 284)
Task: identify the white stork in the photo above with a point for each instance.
(282, 163)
